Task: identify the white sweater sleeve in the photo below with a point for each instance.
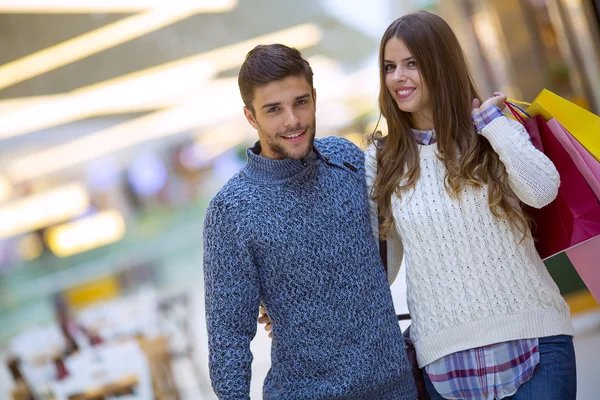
(395, 250)
(532, 176)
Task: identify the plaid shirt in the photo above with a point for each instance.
(487, 373)
(486, 116)
(490, 372)
(427, 137)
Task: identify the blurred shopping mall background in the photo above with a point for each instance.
(119, 119)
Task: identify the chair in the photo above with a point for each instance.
(36, 348)
(129, 316)
(99, 369)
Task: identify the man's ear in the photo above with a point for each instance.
(250, 117)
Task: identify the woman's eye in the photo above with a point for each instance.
(389, 67)
(412, 64)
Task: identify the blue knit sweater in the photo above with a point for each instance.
(295, 235)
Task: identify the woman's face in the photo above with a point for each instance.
(403, 80)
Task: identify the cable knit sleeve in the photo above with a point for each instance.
(531, 174)
(395, 250)
(232, 301)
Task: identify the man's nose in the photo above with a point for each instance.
(291, 119)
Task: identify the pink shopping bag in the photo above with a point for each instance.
(585, 162)
(586, 260)
(574, 216)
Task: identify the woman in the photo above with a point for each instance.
(487, 319)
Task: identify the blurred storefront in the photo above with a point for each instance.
(522, 46)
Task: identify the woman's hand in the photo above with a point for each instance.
(498, 101)
(264, 319)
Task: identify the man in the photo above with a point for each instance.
(291, 231)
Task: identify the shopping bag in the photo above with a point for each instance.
(585, 255)
(587, 165)
(534, 134)
(574, 216)
(582, 124)
(585, 258)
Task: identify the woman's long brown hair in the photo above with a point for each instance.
(468, 157)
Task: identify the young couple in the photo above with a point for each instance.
(293, 231)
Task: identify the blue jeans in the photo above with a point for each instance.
(554, 378)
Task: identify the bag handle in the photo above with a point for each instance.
(519, 113)
(513, 105)
(517, 102)
(516, 114)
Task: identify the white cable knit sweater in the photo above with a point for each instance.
(470, 283)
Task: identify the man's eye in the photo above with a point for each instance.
(273, 109)
(302, 102)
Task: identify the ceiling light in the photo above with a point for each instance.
(41, 210)
(218, 102)
(89, 43)
(86, 233)
(109, 6)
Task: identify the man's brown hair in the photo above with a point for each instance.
(267, 63)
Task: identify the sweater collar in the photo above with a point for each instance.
(267, 170)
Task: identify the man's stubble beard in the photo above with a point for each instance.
(281, 150)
